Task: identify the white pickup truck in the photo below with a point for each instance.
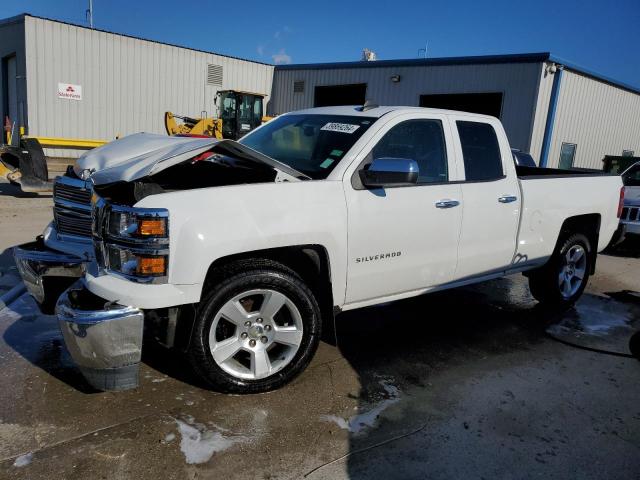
(630, 219)
(239, 252)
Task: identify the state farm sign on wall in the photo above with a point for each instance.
(70, 91)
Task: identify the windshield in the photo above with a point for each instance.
(311, 144)
(631, 178)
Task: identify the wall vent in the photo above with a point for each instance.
(214, 74)
(298, 86)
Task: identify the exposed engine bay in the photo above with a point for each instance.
(173, 164)
(214, 171)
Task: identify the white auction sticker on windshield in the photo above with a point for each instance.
(340, 127)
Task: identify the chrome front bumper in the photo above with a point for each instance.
(103, 338)
(45, 272)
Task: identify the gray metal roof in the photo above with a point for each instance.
(377, 112)
(467, 60)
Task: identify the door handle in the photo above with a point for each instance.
(507, 198)
(447, 203)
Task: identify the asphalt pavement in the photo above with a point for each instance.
(468, 383)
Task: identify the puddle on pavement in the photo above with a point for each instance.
(199, 442)
(359, 423)
(35, 336)
(600, 323)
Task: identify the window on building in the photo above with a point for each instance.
(627, 153)
(419, 140)
(332, 95)
(480, 150)
(567, 155)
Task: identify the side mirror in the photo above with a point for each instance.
(390, 172)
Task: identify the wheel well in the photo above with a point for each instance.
(588, 225)
(310, 262)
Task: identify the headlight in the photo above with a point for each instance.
(132, 242)
(131, 224)
(136, 262)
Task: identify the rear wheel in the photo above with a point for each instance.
(563, 279)
(255, 331)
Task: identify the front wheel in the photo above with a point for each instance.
(563, 279)
(255, 331)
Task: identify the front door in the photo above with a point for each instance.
(404, 239)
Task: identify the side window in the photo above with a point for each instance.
(419, 140)
(480, 150)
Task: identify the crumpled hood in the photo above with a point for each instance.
(143, 154)
(138, 155)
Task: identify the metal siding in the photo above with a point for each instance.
(542, 108)
(127, 83)
(517, 81)
(601, 119)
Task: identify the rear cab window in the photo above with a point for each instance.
(480, 151)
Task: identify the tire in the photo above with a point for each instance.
(255, 330)
(557, 283)
(634, 345)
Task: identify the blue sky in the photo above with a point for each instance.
(602, 36)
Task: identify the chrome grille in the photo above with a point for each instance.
(72, 206)
(73, 223)
(631, 214)
(72, 193)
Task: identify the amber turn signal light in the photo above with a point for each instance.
(156, 227)
(151, 266)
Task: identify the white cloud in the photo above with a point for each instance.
(260, 50)
(282, 32)
(281, 58)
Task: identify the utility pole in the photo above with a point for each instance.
(89, 14)
(425, 50)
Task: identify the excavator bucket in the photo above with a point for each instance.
(26, 165)
(33, 167)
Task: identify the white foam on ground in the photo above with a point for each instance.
(23, 460)
(358, 423)
(198, 444)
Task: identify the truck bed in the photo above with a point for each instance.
(552, 195)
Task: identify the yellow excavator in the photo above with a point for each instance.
(239, 113)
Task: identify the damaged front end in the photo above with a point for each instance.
(95, 216)
(45, 272)
(103, 338)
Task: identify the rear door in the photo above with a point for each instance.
(399, 239)
(490, 195)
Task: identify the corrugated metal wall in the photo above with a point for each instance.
(601, 119)
(12, 43)
(127, 83)
(517, 81)
(542, 108)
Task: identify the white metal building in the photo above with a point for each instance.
(549, 107)
(63, 80)
(118, 84)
